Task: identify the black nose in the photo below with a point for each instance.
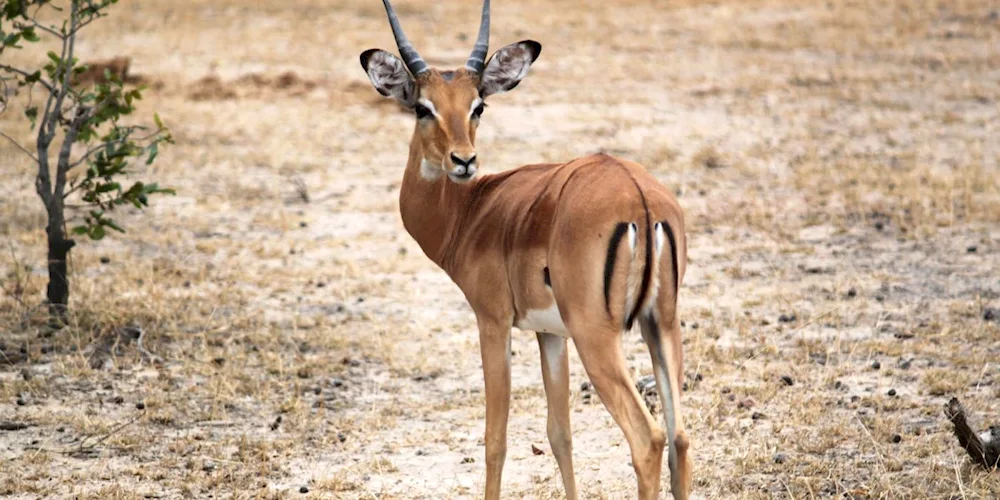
(462, 163)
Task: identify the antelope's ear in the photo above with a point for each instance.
(508, 66)
(389, 76)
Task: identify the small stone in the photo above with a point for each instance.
(991, 314)
(317, 390)
(61, 429)
(421, 453)
(905, 364)
(337, 382)
(341, 437)
(892, 392)
(694, 326)
(879, 226)
(779, 458)
(304, 489)
(851, 293)
(277, 423)
(21, 402)
(786, 318)
(758, 416)
(468, 460)
(972, 249)
(896, 438)
(303, 224)
(876, 365)
(787, 380)
(585, 386)
(208, 467)
(140, 406)
(105, 260)
(26, 374)
(117, 400)
(536, 450)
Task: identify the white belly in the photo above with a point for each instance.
(543, 320)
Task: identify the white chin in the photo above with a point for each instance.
(461, 179)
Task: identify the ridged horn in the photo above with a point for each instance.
(477, 60)
(413, 61)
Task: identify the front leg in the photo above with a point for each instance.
(494, 343)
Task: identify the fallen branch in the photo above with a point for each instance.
(983, 448)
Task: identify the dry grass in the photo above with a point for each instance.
(838, 165)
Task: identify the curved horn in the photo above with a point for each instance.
(477, 60)
(413, 61)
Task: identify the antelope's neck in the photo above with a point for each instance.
(431, 207)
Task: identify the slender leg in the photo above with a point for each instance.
(601, 353)
(494, 344)
(665, 351)
(555, 375)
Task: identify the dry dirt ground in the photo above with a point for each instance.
(838, 162)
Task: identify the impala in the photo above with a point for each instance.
(578, 250)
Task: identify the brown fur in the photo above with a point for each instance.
(495, 235)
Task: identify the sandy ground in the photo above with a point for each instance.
(838, 163)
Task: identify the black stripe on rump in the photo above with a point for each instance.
(674, 258)
(609, 264)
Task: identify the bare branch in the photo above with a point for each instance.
(36, 24)
(68, 46)
(19, 146)
(42, 81)
(62, 167)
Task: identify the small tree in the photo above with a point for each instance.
(88, 117)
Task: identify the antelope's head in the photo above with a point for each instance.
(448, 104)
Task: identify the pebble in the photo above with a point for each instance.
(787, 380)
(779, 458)
(876, 365)
(304, 489)
(896, 438)
(892, 392)
(786, 318)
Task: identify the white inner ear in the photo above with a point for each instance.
(509, 66)
(390, 77)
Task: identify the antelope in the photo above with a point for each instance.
(579, 250)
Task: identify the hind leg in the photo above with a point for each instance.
(555, 375)
(665, 351)
(601, 353)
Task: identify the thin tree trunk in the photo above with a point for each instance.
(58, 289)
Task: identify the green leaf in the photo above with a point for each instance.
(34, 77)
(111, 186)
(30, 35)
(54, 57)
(153, 151)
(110, 223)
(97, 233)
(157, 121)
(80, 230)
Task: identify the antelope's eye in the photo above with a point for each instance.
(476, 113)
(422, 112)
